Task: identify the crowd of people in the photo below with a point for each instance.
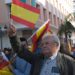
(48, 61)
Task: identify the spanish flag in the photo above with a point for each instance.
(4, 69)
(38, 34)
(24, 13)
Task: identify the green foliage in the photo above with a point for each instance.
(66, 28)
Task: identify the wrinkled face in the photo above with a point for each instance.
(48, 46)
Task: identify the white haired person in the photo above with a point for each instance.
(49, 61)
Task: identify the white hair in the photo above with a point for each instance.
(54, 38)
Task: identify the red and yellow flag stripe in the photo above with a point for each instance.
(24, 13)
(38, 34)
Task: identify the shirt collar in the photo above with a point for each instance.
(53, 56)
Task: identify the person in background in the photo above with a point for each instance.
(24, 42)
(50, 61)
(8, 53)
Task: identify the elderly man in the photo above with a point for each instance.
(49, 61)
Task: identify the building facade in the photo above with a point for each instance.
(49, 9)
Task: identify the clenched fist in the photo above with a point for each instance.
(11, 31)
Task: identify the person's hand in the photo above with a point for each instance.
(11, 31)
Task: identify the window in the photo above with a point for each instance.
(54, 17)
(38, 6)
(23, 0)
(50, 17)
(33, 2)
(9, 8)
(45, 15)
(58, 21)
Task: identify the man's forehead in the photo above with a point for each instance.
(48, 37)
(52, 38)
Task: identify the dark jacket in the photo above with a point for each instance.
(65, 63)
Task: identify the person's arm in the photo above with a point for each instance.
(21, 52)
